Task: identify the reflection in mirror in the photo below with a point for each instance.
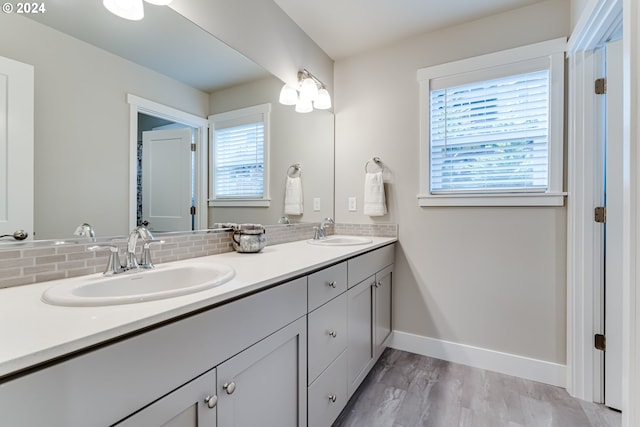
(165, 178)
(83, 121)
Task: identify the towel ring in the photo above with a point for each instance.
(376, 161)
(293, 169)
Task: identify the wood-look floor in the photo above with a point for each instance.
(409, 390)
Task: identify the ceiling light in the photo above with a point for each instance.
(127, 9)
(288, 95)
(159, 2)
(323, 101)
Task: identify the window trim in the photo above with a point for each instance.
(551, 51)
(265, 200)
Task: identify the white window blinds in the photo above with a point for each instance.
(239, 161)
(491, 135)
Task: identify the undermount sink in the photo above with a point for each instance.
(340, 241)
(164, 281)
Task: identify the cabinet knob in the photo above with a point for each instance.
(332, 398)
(378, 284)
(229, 387)
(333, 333)
(211, 401)
(332, 284)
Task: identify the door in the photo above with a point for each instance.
(613, 227)
(167, 178)
(192, 405)
(16, 147)
(265, 385)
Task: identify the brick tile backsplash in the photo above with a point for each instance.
(26, 265)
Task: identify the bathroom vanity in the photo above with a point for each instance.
(286, 343)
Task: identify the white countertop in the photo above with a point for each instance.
(33, 332)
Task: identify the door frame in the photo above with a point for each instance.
(141, 105)
(597, 22)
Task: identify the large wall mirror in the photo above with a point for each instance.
(87, 62)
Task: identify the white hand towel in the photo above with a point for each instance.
(293, 196)
(374, 200)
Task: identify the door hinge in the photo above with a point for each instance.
(193, 147)
(600, 214)
(600, 342)
(192, 211)
(601, 86)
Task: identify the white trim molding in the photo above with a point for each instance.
(482, 358)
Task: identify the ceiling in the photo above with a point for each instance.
(347, 27)
(163, 41)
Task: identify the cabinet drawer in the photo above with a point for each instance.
(326, 285)
(365, 265)
(328, 394)
(327, 336)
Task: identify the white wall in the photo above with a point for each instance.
(487, 277)
(82, 125)
(295, 138)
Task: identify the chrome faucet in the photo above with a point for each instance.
(114, 266)
(321, 232)
(131, 262)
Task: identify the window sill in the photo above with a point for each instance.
(506, 199)
(240, 203)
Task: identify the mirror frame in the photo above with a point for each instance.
(141, 105)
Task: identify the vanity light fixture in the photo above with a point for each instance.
(311, 93)
(132, 10)
(288, 95)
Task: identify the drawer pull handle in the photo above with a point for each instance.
(211, 401)
(332, 398)
(333, 334)
(332, 284)
(229, 387)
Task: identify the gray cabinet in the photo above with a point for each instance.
(382, 316)
(192, 405)
(360, 354)
(109, 384)
(328, 394)
(369, 311)
(363, 307)
(265, 384)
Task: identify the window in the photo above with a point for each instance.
(239, 161)
(492, 129)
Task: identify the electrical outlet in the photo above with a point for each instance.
(353, 204)
(316, 204)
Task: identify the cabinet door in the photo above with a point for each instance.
(382, 309)
(192, 405)
(265, 385)
(360, 346)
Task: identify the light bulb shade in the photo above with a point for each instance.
(308, 89)
(323, 101)
(288, 95)
(127, 9)
(304, 106)
(159, 2)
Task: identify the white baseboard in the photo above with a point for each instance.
(504, 363)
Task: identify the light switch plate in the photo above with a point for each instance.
(316, 204)
(353, 204)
